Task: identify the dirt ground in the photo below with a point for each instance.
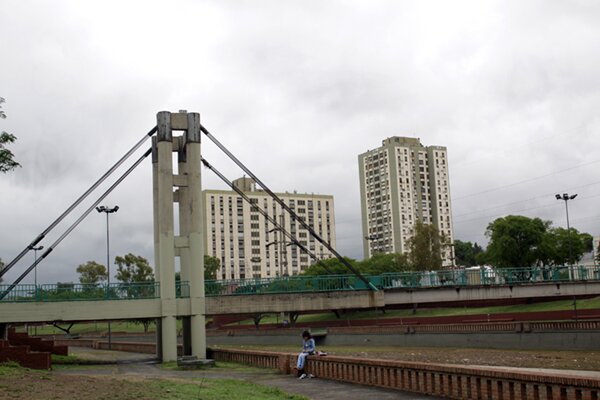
(578, 360)
(45, 385)
(588, 360)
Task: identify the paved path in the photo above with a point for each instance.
(311, 388)
(134, 364)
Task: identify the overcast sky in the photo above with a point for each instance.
(297, 89)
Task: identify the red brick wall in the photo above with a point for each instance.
(35, 344)
(22, 356)
(456, 382)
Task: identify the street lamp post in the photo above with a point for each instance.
(566, 197)
(372, 238)
(282, 247)
(107, 210)
(35, 250)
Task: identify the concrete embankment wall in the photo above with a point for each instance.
(579, 335)
(557, 335)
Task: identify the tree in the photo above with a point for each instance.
(425, 248)
(588, 242)
(466, 253)
(92, 273)
(332, 264)
(211, 266)
(558, 244)
(517, 241)
(7, 158)
(133, 269)
(381, 263)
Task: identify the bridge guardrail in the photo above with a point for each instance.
(306, 284)
(79, 291)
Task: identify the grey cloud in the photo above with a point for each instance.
(297, 90)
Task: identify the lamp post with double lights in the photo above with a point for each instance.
(566, 197)
(107, 211)
(35, 250)
(372, 238)
(282, 247)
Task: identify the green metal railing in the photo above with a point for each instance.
(182, 289)
(306, 284)
(409, 280)
(79, 292)
(292, 284)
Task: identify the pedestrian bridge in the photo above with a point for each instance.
(79, 302)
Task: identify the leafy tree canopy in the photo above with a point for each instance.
(381, 263)
(7, 158)
(91, 272)
(334, 265)
(132, 268)
(517, 241)
(425, 248)
(558, 249)
(211, 266)
(467, 254)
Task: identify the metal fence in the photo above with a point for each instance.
(413, 279)
(302, 284)
(79, 291)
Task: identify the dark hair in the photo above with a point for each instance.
(306, 334)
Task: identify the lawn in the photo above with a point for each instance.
(23, 384)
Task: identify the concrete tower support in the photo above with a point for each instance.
(188, 245)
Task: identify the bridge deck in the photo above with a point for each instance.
(74, 302)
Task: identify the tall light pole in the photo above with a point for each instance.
(566, 198)
(282, 246)
(35, 250)
(107, 210)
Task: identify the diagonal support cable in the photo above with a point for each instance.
(287, 208)
(77, 202)
(266, 215)
(74, 225)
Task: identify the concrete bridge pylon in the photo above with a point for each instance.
(183, 187)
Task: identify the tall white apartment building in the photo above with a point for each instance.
(403, 182)
(249, 246)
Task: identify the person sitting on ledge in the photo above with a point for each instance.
(308, 349)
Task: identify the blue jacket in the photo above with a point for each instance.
(308, 346)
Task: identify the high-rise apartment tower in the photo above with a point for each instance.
(403, 182)
(249, 246)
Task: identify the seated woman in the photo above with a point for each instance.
(308, 349)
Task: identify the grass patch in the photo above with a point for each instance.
(25, 384)
(220, 365)
(65, 360)
(218, 389)
(77, 367)
(11, 369)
